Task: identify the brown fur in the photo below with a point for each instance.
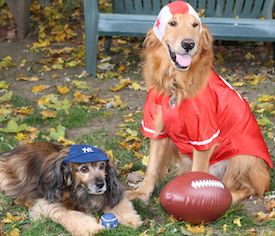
(244, 175)
(36, 173)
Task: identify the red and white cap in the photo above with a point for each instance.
(167, 12)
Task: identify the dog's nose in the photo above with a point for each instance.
(188, 44)
(99, 183)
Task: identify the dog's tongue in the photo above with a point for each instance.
(183, 60)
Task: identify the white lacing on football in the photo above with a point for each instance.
(207, 183)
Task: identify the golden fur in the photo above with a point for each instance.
(65, 192)
(244, 175)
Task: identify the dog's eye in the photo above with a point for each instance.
(84, 169)
(195, 24)
(102, 166)
(172, 23)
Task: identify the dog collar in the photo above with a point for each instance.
(167, 12)
(83, 153)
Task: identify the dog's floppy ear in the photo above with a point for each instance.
(114, 188)
(150, 39)
(206, 38)
(56, 175)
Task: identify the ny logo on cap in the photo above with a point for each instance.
(87, 149)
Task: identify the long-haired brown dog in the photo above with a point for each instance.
(196, 120)
(65, 192)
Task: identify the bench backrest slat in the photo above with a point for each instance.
(213, 8)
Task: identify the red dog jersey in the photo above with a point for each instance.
(217, 115)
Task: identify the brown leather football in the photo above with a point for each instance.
(196, 197)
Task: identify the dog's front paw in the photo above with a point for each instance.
(38, 209)
(80, 224)
(133, 222)
(138, 194)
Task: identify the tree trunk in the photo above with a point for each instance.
(20, 9)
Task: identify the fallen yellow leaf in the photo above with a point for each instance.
(195, 229)
(14, 232)
(26, 78)
(4, 85)
(39, 88)
(122, 84)
(266, 98)
(25, 110)
(81, 98)
(237, 222)
(118, 102)
(63, 89)
(48, 114)
(238, 84)
(20, 136)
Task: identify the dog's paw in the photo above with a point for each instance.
(138, 194)
(134, 221)
(38, 209)
(81, 224)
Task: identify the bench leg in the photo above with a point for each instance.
(107, 45)
(21, 12)
(91, 35)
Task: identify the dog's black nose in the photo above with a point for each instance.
(99, 183)
(188, 44)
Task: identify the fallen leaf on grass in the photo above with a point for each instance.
(122, 84)
(126, 168)
(264, 122)
(118, 101)
(14, 232)
(48, 114)
(6, 97)
(4, 84)
(62, 89)
(40, 44)
(39, 88)
(238, 84)
(24, 110)
(145, 160)
(6, 62)
(57, 133)
(13, 127)
(266, 98)
(136, 86)
(81, 98)
(198, 229)
(80, 84)
(106, 66)
(255, 79)
(65, 142)
(271, 205)
(224, 227)
(25, 78)
(51, 101)
(10, 218)
(248, 56)
(265, 216)
(237, 222)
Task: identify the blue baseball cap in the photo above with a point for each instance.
(83, 153)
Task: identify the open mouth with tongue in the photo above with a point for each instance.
(181, 61)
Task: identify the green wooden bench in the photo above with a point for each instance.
(235, 20)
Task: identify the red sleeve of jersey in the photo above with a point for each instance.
(201, 128)
(150, 110)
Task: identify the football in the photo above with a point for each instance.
(196, 197)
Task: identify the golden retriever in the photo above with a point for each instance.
(66, 192)
(195, 119)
